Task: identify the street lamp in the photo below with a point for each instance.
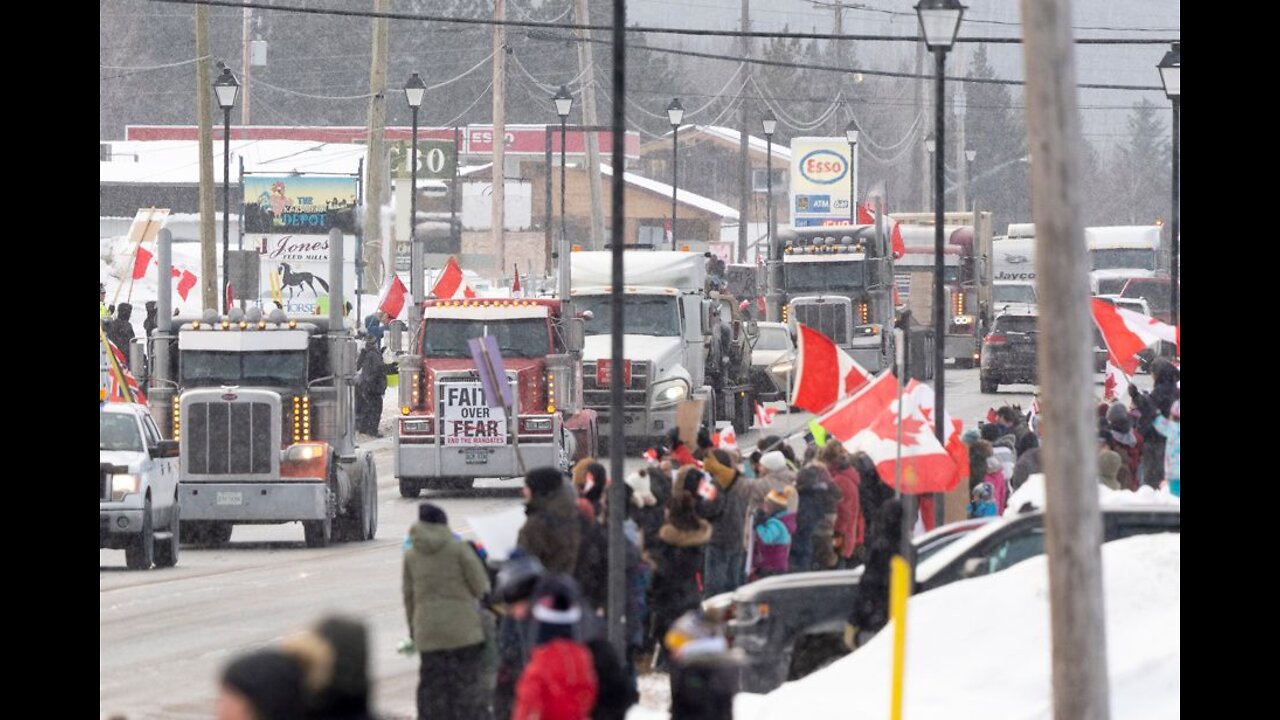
(564, 103)
(225, 88)
(940, 23)
(851, 134)
(770, 123)
(414, 92)
(1170, 69)
(675, 113)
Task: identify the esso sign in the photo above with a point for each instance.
(823, 167)
(485, 138)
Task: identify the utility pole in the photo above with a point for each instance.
(208, 232)
(594, 181)
(246, 65)
(376, 193)
(1073, 522)
(499, 134)
(744, 161)
(922, 157)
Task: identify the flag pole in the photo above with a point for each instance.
(897, 468)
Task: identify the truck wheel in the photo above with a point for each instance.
(141, 552)
(318, 533)
(167, 553)
(409, 489)
(987, 385)
(371, 485)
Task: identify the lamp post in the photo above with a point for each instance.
(414, 91)
(1170, 68)
(851, 134)
(675, 113)
(770, 126)
(564, 103)
(940, 23)
(226, 89)
(969, 155)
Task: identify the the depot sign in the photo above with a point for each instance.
(820, 181)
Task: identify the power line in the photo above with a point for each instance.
(980, 21)
(638, 28)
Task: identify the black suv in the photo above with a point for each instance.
(791, 625)
(1008, 352)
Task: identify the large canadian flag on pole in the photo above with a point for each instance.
(1126, 333)
(856, 412)
(1116, 386)
(824, 372)
(923, 396)
(451, 285)
(926, 465)
(393, 296)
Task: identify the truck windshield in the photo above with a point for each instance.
(274, 368)
(525, 337)
(773, 338)
(824, 276)
(645, 315)
(1119, 259)
(1015, 294)
(118, 431)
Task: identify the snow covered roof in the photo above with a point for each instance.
(761, 145)
(682, 196)
(178, 161)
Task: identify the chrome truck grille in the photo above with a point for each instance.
(827, 318)
(226, 438)
(636, 395)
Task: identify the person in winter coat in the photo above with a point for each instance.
(849, 526)
(551, 531)
(513, 594)
(815, 502)
(559, 683)
(592, 568)
(262, 685)
(120, 330)
(444, 582)
(979, 451)
(772, 530)
(999, 486)
(651, 488)
(726, 556)
(376, 325)
(1151, 405)
(871, 605)
(678, 558)
(1118, 435)
(982, 505)
(1029, 463)
(371, 387)
(1171, 428)
(872, 494)
(150, 324)
(1004, 450)
(334, 656)
(779, 476)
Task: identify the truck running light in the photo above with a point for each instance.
(551, 394)
(957, 303)
(785, 311)
(864, 313)
(293, 324)
(226, 325)
(244, 325)
(177, 418)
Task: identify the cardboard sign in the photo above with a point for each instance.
(493, 377)
(689, 419)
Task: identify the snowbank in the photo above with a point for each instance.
(1033, 491)
(980, 648)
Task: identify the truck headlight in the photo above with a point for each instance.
(303, 453)
(962, 320)
(124, 484)
(670, 392)
(416, 427)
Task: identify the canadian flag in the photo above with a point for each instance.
(140, 262)
(923, 395)
(186, 280)
(120, 370)
(824, 372)
(451, 285)
(926, 465)
(515, 284)
(728, 439)
(764, 415)
(856, 412)
(867, 216)
(1116, 386)
(895, 239)
(1127, 332)
(393, 296)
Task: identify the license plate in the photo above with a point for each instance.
(230, 498)
(477, 457)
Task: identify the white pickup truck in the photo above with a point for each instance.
(138, 483)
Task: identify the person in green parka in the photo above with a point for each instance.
(444, 582)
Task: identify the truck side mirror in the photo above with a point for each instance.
(576, 336)
(164, 449)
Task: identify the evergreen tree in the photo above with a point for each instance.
(996, 131)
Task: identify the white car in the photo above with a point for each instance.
(772, 361)
(138, 483)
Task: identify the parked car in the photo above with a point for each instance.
(772, 361)
(138, 487)
(1008, 352)
(791, 625)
